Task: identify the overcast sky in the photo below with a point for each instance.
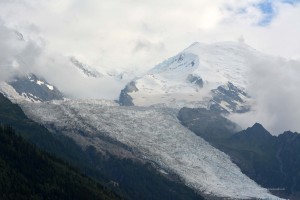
(141, 33)
(137, 34)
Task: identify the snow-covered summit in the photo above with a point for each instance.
(189, 78)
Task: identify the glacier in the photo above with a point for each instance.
(215, 64)
(152, 134)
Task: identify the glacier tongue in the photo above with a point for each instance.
(156, 135)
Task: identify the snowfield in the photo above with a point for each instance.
(153, 134)
(216, 64)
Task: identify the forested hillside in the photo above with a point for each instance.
(29, 173)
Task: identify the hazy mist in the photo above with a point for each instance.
(275, 87)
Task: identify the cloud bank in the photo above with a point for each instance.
(16, 56)
(274, 84)
(20, 56)
(136, 35)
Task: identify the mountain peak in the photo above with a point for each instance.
(190, 77)
(255, 133)
(195, 44)
(258, 126)
(235, 46)
(257, 130)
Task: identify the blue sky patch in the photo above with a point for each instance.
(266, 7)
(291, 1)
(268, 10)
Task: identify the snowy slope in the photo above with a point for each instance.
(91, 72)
(188, 78)
(154, 135)
(9, 92)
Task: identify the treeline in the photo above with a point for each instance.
(29, 173)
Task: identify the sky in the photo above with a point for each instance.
(135, 35)
(139, 34)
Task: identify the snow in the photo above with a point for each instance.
(50, 87)
(154, 134)
(40, 82)
(225, 105)
(30, 97)
(8, 91)
(217, 64)
(227, 60)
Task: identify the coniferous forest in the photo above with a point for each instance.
(29, 173)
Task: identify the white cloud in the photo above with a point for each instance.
(16, 56)
(137, 34)
(19, 57)
(106, 32)
(275, 87)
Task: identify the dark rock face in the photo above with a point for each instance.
(125, 99)
(206, 123)
(180, 59)
(214, 106)
(288, 148)
(231, 96)
(256, 132)
(197, 80)
(83, 68)
(35, 89)
(272, 161)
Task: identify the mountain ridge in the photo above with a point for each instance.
(31, 88)
(193, 78)
(272, 161)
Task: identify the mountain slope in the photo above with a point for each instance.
(128, 176)
(209, 125)
(90, 72)
(153, 135)
(29, 173)
(85, 69)
(272, 161)
(30, 88)
(203, 75)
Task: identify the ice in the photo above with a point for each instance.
(154, 134)
(217, 64)
(40, 82)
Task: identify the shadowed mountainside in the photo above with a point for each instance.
(272, 161)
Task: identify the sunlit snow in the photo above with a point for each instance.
(217, 64)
